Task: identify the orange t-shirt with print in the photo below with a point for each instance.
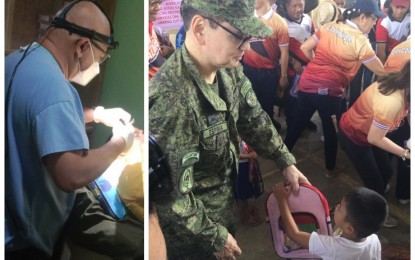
(398, 57)
(372, 107)
(265, 54)
(341, 49)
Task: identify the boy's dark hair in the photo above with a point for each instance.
(366, 211)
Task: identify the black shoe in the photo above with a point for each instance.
(311, 126)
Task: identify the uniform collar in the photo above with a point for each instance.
(217, 103)
(351, 24)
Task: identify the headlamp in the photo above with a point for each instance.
(61, 22)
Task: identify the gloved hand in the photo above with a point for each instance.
(110, 117)
(126, 131)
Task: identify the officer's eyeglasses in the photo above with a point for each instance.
(243, 38)
(105, 55)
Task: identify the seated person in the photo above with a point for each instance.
(359, 215)
(91, 227)
(133, 195)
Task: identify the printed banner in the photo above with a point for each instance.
(169, 16)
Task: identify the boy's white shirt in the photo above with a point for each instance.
(340, 248)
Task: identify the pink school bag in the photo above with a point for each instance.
(311, 213)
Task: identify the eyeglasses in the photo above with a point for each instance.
(243, 39)
(104, 57)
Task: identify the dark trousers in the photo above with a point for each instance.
(290, 111)
(265, 84)
(361, 81)
(371, 163)
(326, 106)
(403, 171)
(29, 254)
(89, 227)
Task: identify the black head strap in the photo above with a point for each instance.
(61, 22)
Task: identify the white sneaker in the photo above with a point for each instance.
(404, 202)
(390, 222)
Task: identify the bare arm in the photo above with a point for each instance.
(308, 48)
(89, 115)
(376, 67)
(283, 81)
(250, 155)
(299, 237)
(75, 169)
(381, 52)
(377, 137)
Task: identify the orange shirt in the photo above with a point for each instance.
(399, 56)
(341, 49)
(265, 54)
(372, 107)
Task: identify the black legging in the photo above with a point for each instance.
(371, 163)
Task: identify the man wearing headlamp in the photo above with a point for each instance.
(47, 150)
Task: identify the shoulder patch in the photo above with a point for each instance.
(188, 157)
(251, 99)
(248, 94)
(186, 180)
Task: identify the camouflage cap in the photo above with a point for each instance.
(239, 13)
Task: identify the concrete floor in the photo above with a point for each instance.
(256, 243)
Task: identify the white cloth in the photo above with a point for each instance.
(340, 248)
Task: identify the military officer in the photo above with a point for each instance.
(200, 101)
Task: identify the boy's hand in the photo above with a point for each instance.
(281, 192)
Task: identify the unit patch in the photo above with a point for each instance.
(186, 180)
(251, 99)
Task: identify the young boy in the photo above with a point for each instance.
(359, 215)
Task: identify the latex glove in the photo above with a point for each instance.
(125, 131)
(110, 117)
(230, 251)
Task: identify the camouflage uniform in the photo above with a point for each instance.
(197, 129)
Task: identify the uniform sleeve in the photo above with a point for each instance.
(172, 123)
(365, 52)
(386, 110)
(381, 32)
(282, 33)
(256, 128)
(295, 51)
(60, 128)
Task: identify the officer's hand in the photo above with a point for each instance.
(125, 131)
(230, 251)
(293, 177)
(110, 117)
